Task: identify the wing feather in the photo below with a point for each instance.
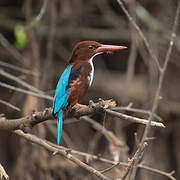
(61, 93)
(62, 90)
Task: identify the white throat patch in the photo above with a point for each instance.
(91, 75)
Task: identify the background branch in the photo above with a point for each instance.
(3, 173)
(138, 154)
(67, 153)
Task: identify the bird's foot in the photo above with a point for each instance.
(79, 106)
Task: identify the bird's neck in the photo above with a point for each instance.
(88, 65)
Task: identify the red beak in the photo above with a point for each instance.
(109, 48)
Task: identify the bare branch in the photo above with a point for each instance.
(133, 119)
(108, 134)
(139, 152)
(26, 91)
(65, 153)
(19, 69)
(26, 122)
(142, 111)
(133, 161)
(38, 117)
(162, 72)
(3, 173)
(46, 144)
(133, 49)
(4, 42)
(23, 83)
(38, 17)
(9, 105)
(110, 168)
(140, 34)
(169, 175)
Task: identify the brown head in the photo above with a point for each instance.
(85, 50)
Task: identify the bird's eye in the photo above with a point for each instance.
(91, 47)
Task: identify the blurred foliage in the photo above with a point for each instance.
(21, 38)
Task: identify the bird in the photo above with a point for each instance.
(77, 78)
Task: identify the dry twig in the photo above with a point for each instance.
(141, 111)
(18, 80)
(38, 17)
(3, 173)
(133, 119)
(55, 148)
(9, 105)
(108, 134)
(5, 43)
(65, 153)
(26, 91)
(162, 70)
(140, 34)
(19, 69)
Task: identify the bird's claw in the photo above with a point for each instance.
(79, 106)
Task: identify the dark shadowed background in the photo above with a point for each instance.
(38, 54)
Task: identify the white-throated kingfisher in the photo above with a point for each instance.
(77, 78)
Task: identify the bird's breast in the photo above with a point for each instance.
(81, 79)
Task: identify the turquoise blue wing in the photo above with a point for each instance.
(61, 93)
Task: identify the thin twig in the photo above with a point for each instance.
(65, 153)
(108, 134)
(19, 69)
(41, 142)
(133, 50)
(23, 83)
(50, 45)
(157, 94)
(134, 119)
(142, 111)
(34, 46)
(140, 34)
(9, 105)
(133, 161)
(3, 173)
(169, 175)
(26, 91)
(95, 157)
(38, 17)
(5, 43)
(110, 168)
(161, 78)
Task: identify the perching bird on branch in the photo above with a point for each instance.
(77, 78)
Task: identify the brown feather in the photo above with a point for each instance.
(79, 86)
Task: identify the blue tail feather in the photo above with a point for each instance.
(59, 125)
